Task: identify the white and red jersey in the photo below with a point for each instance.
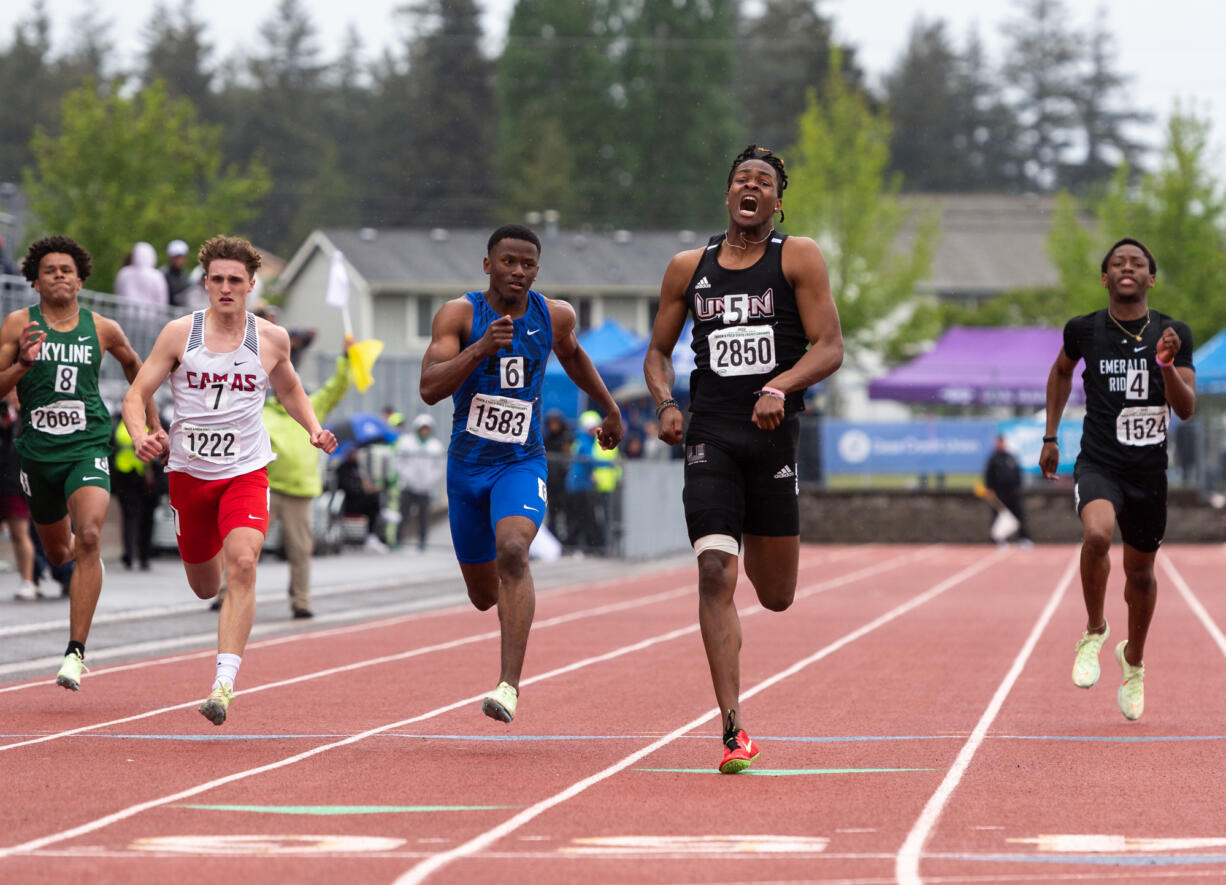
(218, 429)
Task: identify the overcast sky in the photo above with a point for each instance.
(1171, 48)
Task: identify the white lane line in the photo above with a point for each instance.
(1193, 603)
(906, 863)
(543, 624)
(401, 611)
(421, 871)
(123, 814)
(358, 665)
(428, 607)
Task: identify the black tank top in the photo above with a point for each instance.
(1126, 422)
(747, 330)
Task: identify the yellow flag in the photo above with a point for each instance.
(362, 356)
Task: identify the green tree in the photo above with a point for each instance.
(124, 169)
(782, 53)
(559, 88)
(680, 118)
(926, 111)
(440, 132)
(990, 130)
(268, 114)
(1103, 109)
(30, 89)
(175, 53)
(1178, 211)
(1042, 65)
(840, 193)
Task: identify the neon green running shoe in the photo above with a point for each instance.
(1085, 666)
(71, 670)
(1131, 695)
(501, 702)
(218, 702)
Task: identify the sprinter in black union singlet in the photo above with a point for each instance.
(765, 330)
(1138, 367)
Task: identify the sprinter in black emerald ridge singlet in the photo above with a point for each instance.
(1138, 369)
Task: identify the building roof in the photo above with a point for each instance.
(419, 259)
(988, 243)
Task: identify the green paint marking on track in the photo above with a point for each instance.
(784, 772)
(344, 809)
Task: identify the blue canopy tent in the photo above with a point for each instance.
(980, 366)
(603, 344)
(628, 368)
(1210, 362)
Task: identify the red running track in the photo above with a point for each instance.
(914, 708)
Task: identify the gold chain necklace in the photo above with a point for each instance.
(1136, 335)
(747, 243)
(54, 323)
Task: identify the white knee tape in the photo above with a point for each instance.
(724, 543)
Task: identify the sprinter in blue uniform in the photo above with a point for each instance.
(488, 351)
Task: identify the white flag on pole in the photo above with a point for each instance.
(338, 282)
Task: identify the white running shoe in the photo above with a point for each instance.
(501, 702)
(1085, 666)
(1131, 695)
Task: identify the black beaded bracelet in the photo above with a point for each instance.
(669, 403)
(1048, 439)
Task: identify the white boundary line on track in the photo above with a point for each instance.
(476, 637)
(1193, 603)
(430, 606)
(906, 864)
(131, 811)
(402, 611)
(358, 665)
(425, 868)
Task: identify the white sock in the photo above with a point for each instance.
(227, 669)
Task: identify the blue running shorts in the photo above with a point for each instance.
(479, 495)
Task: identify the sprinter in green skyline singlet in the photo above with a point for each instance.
(51, 352)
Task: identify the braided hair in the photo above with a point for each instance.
(755, 152)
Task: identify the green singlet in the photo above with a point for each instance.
(63, 417)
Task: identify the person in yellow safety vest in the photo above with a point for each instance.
(295, 480)
(138, 487)
(590, 482)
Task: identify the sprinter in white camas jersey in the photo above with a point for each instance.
(220, 362)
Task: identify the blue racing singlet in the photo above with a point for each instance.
(497, 415)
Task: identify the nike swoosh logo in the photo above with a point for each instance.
(237, 363)
(1137, 349)
(87, 478)
(533, 331)
(533, 509)
(253, 516)
(82, 337)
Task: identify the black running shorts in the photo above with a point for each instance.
(1139, 499)
(739, 478)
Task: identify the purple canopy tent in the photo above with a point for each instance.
(980, 366)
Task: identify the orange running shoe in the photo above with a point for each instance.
(739, 752)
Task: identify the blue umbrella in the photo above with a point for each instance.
(360, 429)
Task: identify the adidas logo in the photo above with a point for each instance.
(786, 472)
(704, 283)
